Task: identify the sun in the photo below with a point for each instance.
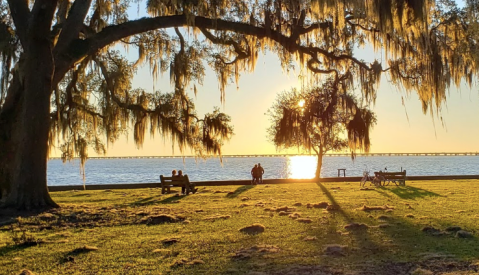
(301, 103)
(301, 167)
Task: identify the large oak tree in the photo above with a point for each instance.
(63, 81)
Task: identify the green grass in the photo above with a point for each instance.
(112, 222)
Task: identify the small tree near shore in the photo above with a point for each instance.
(320, 119)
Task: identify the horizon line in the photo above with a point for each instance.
(289, 155)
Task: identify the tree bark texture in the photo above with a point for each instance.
(24, 121)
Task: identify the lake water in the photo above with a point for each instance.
(142, 170)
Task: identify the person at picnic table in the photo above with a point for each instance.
(254, 174)
(260, 171)
(173, 173)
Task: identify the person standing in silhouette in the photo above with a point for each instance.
(260, 171)
(254, 174)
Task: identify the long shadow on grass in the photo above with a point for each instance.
(240, 190)
(394, 249)
(410, 192)
(333, 200)
(145, 201)
(171, 199)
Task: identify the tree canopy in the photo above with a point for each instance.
(61, 66)
(324, 118)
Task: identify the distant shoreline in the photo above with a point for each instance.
(447, 154)
(245, 182)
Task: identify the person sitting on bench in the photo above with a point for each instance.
(183, 188)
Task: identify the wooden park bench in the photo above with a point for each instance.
(398, 178)
(178, 181)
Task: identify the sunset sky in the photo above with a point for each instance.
(399, 128)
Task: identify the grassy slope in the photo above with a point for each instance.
(110, 221)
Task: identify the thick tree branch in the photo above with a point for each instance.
(41, 19)
(117, 32)
(20, 14)
(73, 24)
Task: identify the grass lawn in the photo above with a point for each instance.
(389, 230)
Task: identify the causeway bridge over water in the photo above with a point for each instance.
(437, 154)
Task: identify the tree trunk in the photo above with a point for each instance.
(319, 165)
(9, 134)
(29, 125)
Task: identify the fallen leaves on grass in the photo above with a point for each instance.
(26, 272)
(184, 261)
(285, 208)
(162, 251)
(295, 215)
(255, 228)
(170, 241)
(247, 253)
(453, 229)
(463, 234)
(332, 207)
(409, 216)
(304, 220)
(310, 238)
(420, 271)
(373, 208)
(318, 205)
(159, 219)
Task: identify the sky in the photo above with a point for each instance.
(400, 127)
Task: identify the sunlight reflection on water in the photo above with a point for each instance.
(301, 167)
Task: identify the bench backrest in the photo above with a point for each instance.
(392, 175)
(183, 178)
